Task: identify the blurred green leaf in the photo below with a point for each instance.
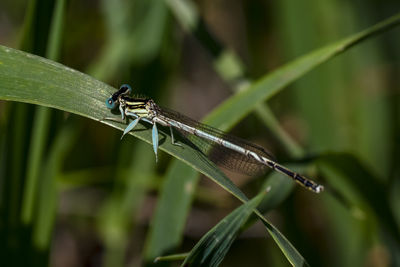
(41, 121)
(290, 252)
(37, 144)
(174, 257)
(119, 214)
(48, 197)
(135, 35)
(233, 109)
(347, 175)
(213, 246)
(185, 11)
(279, 187)
(167, 225)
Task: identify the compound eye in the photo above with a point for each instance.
(126, 89)
(110, 103)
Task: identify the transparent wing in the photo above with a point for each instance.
(217, 153)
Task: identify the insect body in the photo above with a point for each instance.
(229, 151)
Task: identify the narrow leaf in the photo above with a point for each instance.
(359, 187)
(213, 246)
(168, 224)
(235, 108)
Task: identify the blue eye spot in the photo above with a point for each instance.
(126, 88)
(110, 103)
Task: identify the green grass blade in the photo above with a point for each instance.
(185, 11)
(265, 114)
(56, 31)
(41, 122)
(119, 214)
(290, 252)
(279, 189)
(39, 136)
(213, 246)
(359, 187)
(19, 144)
(48, 199)
(239, 105)
(3, 160)
(174, 257)
(136, 35)
(168, 223)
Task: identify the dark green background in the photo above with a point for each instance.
(99, 201)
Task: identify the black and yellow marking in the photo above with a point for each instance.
(136, 105)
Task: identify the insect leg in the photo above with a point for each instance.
(155, 139)
(121, 109)
(130, 126)
(172, 137)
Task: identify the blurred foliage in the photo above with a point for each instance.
(73, 194)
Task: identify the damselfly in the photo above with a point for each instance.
(232, 152)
